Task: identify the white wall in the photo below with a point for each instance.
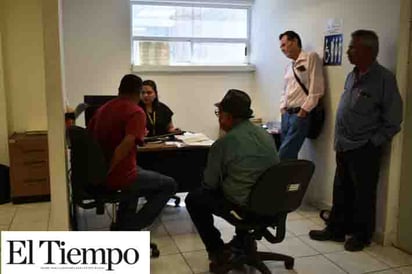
(98, 53)
(51, 15)
(4, 148)
(24, 65)
(308, 18)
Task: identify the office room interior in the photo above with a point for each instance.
(54, 52)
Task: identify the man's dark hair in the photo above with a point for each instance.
(291, 35)
(369, 39)
(130, 84)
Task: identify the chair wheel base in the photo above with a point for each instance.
(177, 202)
(290, 264)
(154, 251)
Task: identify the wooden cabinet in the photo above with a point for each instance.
(29, 167)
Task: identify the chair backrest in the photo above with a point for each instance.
(281, 188)
(89, 167)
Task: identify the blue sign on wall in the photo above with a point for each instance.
(332, 55)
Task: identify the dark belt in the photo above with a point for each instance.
(293, 110)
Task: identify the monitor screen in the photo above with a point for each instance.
(94, 102)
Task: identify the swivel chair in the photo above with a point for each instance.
(87, 177)
(279, 191)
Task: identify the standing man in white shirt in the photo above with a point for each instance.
(304, 86)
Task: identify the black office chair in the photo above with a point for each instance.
(279, 190)
(87, 177)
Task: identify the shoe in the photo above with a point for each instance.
(326, 235)
(353, 244)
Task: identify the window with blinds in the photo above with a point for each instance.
(170, 33)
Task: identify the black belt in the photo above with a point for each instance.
(293, 110)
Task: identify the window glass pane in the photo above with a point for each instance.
(219, 53)
(162, 21)
(161, 53)
(219, 23)
(169, 21)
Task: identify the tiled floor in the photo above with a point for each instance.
(182, 250)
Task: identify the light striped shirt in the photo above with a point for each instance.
(308, 67)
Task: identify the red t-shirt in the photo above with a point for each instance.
(109, 125)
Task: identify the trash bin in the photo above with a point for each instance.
(4, 184)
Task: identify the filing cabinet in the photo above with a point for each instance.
(29, 167)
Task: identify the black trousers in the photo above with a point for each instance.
(202, 204)
(354, 192)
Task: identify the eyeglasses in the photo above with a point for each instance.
(217, 112)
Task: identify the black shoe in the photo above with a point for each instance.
(326, 235)
(354, 244)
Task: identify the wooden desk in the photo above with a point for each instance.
(29, 167)
(184, 163)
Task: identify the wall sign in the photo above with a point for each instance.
(333, 43)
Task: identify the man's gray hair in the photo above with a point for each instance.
(369, 39)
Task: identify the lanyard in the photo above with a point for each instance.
(152, 121)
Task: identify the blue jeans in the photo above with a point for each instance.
(294, 131)
(156, 188)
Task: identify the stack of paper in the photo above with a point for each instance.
(195, 139)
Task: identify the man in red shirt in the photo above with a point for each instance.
(118, 126)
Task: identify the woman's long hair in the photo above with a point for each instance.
(153, 85)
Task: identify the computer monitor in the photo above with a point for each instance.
(94, 102)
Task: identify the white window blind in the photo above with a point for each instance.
(178, 32)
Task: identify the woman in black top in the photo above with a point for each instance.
(158, 115)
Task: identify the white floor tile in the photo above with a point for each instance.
(227, 233)
(405, 270)
(35, 206)
(188, 242)
(318, 221)
(308, 211)
(390, 255)
(312, 265)
(221, 223)
(170, 264)
(301, 227)
(295, 216)
(176, 227)
(29, 226)
(279, 268)
(389, 271)
(197, 260)
(356, 262)
(174, 213)
(158, 230)
(293, 247)
(322, 246)
(166, 245)
(7, 212)
(30, 215)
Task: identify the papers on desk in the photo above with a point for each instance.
(195, 139)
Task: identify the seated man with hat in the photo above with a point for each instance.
(235, 162)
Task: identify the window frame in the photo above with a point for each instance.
(246, 67)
